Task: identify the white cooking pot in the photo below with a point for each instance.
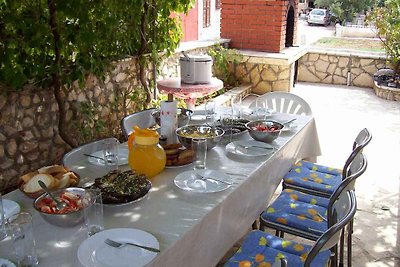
(196, 68)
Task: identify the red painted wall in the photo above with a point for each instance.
(190, 24)
(256, 24)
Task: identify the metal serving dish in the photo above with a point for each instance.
(264, 136)
(67, 219)
(189, 132)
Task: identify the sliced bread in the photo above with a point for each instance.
(33, 186)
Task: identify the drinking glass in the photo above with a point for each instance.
(110, 154)
(236, 102)
(261, 109)
(21, 230)
(200, 149)
(94, 212)
(210, 111)
(3, 232)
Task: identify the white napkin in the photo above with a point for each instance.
(169, 121)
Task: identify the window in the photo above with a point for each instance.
(206, 13)
(218, 4)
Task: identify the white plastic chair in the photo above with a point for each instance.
(143, 119)
(283, 102)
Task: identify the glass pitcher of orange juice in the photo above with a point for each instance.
(146, 156)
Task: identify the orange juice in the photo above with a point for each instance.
(146, 156)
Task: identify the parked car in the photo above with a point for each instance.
(319, 16)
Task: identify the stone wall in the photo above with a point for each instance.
(29, 135)
(388, 93)
(355, 69)
(263, 77)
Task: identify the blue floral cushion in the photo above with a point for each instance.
(297, 210)
(313, 176)
(262, 250)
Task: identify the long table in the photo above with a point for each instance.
(193, 229)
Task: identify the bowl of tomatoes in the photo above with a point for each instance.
(76, 200)
(264, 130)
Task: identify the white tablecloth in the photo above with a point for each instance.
(193, 229)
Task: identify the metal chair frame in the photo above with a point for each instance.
(344, 210)
(356, 169)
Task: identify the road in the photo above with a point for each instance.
(311, 34)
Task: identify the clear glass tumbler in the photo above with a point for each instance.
(21, 230)
(110, 154)
(200, 149)
(236, 102)
(94, 212)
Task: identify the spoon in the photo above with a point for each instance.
(59, 205)
(289, 121)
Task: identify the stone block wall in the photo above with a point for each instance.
(340, 68)
(263, 76)
(29, 136)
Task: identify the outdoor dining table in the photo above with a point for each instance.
(193, 229)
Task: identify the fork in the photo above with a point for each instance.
(201, 177)
(116, 244)
(247, 147)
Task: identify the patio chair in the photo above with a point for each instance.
(143, 119)
(76, 155)
(284, 102)
(308, 216)
(321, 180)
(262, 249)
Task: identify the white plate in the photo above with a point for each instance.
(93, 252)
(7, 263)
(10, 208)
(188, 181)
(237, 147)
(123, 154)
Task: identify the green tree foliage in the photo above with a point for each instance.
(387, 21)
(345, 10)
(52, 43)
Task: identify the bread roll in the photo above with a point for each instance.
(33, 186)
(28, 176)
(64, 182)
(53, 169)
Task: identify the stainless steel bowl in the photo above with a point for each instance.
(261, 135)
(189, 132)
(184, 116)
(63, 220)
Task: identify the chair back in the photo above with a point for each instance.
(77, 154)
(363, 138)
(336, 208)
(331, 236)
(143, 119)
(284, 102)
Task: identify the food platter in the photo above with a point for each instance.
(235, 126)
(178, 155)
(122, 187)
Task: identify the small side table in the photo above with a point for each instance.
(188, 92)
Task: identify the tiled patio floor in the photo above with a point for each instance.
(340, 113)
